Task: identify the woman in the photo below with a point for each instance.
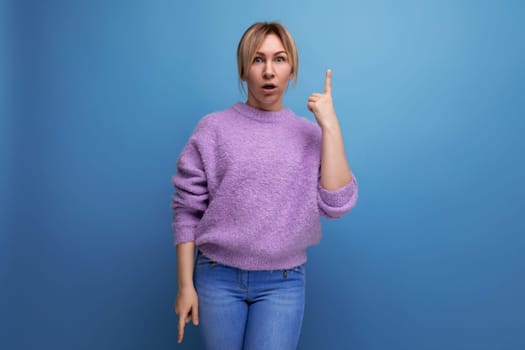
(251, 185)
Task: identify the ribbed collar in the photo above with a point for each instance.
(264, 116)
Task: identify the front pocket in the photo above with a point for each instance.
(203, 260)
(298, 269)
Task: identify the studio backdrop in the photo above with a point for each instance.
(100, 97)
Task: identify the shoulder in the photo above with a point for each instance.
(216, 119)
(308, 127)
(211, 122)
(307, 124)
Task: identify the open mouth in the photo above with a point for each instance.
(269, 87)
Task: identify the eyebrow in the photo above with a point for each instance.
(276, 53)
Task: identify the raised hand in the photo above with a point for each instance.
(321, 105)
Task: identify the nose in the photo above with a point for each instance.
(268, 72)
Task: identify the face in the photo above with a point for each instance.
(268, 75)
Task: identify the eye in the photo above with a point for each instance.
(257, 59)
(280, 59)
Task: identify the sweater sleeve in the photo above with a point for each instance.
(190, 200)
(334, 204)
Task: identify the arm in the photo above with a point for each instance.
(190, 201)
(337, 192)
(185, 262)
(335, 171)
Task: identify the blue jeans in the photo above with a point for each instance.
(249, 310)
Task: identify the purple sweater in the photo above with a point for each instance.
(248, 191)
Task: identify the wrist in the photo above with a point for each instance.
(186, 286)
(330, 127)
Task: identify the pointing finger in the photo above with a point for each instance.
(181, 329)
(328, 82)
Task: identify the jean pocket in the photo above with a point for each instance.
(203, 260)
(297, 270)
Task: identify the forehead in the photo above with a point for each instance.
(271, 43)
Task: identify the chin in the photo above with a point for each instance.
(271, 100)
(268, 102)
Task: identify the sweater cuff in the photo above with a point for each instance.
(183, 234)
(338, 198)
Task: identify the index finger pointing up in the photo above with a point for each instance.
(328, 82)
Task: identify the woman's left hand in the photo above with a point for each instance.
(321, 105)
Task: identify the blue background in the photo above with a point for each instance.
(99, 97)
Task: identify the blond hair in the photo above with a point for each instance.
(252, 39)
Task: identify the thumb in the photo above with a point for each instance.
(195, 315)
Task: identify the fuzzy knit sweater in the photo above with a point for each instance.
(247, 189)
